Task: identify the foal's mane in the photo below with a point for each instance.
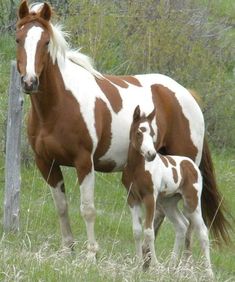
(59, 48)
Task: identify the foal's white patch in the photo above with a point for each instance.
(31, 41)
(147, 145)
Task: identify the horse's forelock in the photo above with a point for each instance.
(34, 18)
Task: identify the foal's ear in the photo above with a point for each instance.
(151, 115)
(136, 115)
(23, 9)
(45, 13)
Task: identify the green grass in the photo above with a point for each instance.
(34, 254)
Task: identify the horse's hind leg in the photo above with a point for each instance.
(53, 175)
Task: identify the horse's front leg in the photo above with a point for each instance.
(53, 175)
(86, 176)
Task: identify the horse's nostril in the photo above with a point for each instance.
(29, 84)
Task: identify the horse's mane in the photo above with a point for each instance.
(59, 47)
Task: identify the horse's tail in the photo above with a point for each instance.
(213, 209)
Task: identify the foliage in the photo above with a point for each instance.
(189, 43)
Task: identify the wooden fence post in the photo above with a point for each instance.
(12, 162)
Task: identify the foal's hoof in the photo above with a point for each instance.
(147, 258)
(92, 252)
(210, 274)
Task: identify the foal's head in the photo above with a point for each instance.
(33, 39)
(142, 134)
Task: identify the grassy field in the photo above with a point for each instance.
(34, 254)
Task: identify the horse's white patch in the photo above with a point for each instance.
(62, 208)
(190, 108)
(82, 85)
(88, 210)
(79, 79)
(31, 41)
(59, 197)
(87, 193)
(85, 89)
(121, 121)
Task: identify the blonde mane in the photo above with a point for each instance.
(60, 48)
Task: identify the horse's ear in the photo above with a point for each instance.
(136, 115)
(45, 13)
(23, 9)
(151, 115)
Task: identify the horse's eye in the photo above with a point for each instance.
(47, 43)
(17, 41)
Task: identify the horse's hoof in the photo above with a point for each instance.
(91, 257)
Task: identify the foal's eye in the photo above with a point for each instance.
(47, 43)
(17, 41)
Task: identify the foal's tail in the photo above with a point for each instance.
(213, 210)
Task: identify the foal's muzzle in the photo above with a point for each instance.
(29, 84)
(150, 156)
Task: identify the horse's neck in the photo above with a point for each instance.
(50, 91)
(135, 159)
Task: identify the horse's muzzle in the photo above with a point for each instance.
(29, 85)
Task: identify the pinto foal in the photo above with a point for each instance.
(153, 179)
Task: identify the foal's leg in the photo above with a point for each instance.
(158, 219)
(86, 176)
(188, 242)
(202, 234)
(150, 204)
(194, 215)
(179, 222)
(137, 229)
(53, 175)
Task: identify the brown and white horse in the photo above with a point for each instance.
(152, 179)
(81, 118)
